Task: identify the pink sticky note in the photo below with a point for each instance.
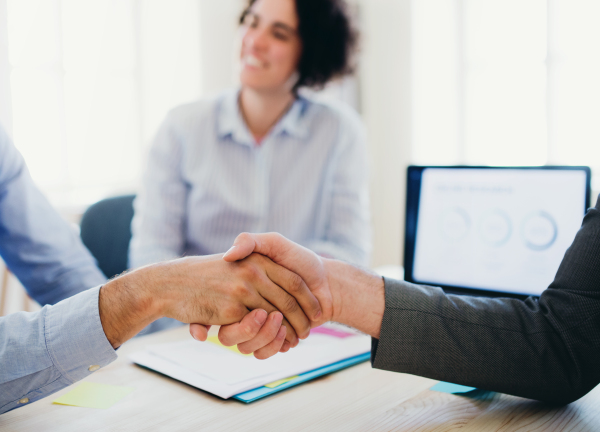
(331, 332)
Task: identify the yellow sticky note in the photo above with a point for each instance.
(94, 395)
(216, 341)
(281, 381)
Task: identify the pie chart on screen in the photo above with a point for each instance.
(495, 228)
(539, 231)
(455, 224)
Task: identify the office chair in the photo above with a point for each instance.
(106, 232)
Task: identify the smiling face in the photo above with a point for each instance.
(271, 46)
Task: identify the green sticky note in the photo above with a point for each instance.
(94, 395)
(216, 341)
(279, 382)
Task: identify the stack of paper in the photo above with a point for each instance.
(225, 372)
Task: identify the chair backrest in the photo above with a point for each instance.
(106, 232)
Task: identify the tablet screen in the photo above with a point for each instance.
(503, 230)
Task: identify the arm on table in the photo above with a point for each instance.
(45, 351)
(546, 349)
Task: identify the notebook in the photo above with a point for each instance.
(225, 372)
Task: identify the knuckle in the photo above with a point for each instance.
(249, 331)
(294, 284)
(249, 271)
(241, 291)
(233, 312)
(290, 305)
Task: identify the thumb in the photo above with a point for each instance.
(243, 246)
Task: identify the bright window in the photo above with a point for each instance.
(91, 80)
(511, 82)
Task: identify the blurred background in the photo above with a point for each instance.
(84, 85)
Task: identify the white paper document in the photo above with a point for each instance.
(223, 372)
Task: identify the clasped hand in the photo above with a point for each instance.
(261, 333)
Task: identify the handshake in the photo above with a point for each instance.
(266, 292)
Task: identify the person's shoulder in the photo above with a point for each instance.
(329, 109)
(193, 112)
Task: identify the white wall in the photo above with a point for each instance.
(218, 24)
(386, 108)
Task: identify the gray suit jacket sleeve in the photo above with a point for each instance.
(546, 349)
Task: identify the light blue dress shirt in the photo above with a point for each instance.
(207, 181)
(42, 352)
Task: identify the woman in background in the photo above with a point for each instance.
(263, 158)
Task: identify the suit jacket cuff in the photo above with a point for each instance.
(402, 335)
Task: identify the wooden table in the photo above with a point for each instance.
(356, 399)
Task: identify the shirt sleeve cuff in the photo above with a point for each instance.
(75, 339)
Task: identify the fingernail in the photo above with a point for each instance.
(260, 317)
(318, 315)
(278, 317)
(229, 251)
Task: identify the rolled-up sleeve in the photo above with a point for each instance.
(43, 352)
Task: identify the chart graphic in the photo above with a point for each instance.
(455, 224)
(495, 227)
(539, 231)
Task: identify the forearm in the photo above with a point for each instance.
(504, 345)
(358, 296)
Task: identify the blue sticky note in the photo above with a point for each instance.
(446, 387)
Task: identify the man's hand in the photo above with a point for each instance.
(205, 290)
(347, 294)
(303, 262)
(286, 253)
(256, 333)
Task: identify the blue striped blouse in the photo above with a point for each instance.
(207, 181)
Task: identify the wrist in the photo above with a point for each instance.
(358, 296)
(127, 305)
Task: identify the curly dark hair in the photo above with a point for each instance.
(329, 41)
